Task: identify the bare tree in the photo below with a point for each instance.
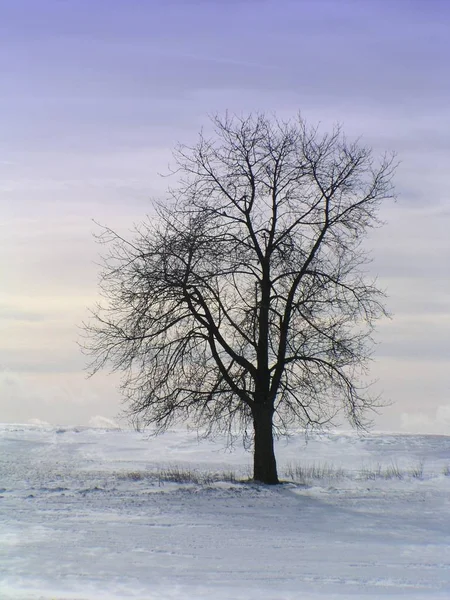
(245, 301)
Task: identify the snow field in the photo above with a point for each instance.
(95, 514)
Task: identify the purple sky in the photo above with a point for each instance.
(93, 96)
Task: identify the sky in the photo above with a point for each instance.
(93, 97)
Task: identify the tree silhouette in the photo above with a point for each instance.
(244, 301)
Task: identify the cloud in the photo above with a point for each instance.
(38, 422)
(439, 423)
(58, 399)
(12, 313)
(99, 422)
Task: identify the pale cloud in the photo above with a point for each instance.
(38, 422)
(57, 398)
(413, 385)
(102, 423)
(437, 423)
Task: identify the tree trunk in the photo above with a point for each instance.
(264, 463)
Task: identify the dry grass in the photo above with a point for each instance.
(327, 472)
(295, 472)
(303, 473)
(178, 474)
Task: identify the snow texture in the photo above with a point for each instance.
(90, 514)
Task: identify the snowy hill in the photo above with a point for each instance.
(96, 514)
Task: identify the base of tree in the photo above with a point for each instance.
(264, 462)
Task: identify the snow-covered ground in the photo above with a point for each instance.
(91, 514)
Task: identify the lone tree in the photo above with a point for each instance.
(244, 301)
